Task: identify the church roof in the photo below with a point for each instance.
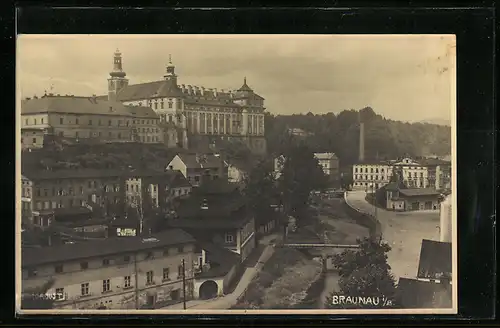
(147, 90)
(142, 111)
(245, 86)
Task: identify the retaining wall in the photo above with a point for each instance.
(364, 219)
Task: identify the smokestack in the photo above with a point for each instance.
(361, 142)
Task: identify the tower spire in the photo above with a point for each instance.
(117, 77)
(170, 70)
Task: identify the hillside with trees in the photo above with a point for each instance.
(339, 133)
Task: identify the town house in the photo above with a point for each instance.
(114, 273)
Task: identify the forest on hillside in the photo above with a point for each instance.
(384, 138)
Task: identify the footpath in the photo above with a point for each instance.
(229, 300)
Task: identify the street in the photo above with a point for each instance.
(404, 232)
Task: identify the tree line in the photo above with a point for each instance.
(384, 138)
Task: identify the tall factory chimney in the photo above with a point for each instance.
(361, 141)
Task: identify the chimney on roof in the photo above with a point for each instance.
(215, 92)
(189, 89)
(202, 90)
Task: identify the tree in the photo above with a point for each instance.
(260, 191)
(346, 180)
(301, 174)
(364, 273)
(384, 138)
(35, 299)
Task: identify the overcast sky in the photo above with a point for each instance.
(401, 77)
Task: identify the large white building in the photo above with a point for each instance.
(206, 113)
(421, 173)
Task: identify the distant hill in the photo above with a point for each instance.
(437, 121)
(339, 133)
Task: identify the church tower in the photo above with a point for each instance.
(117, 78)
(170, 71)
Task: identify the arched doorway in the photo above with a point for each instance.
(208, 290)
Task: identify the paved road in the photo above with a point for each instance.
(404, 231)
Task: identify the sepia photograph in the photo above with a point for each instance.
(231, 174)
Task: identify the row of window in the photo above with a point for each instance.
(72, 191)
(110, 122)
(50, 205)
(35, 121)
(84, 265)
(366, 170)
(160, 104)
(91, 134)
(33, 140)
(369, 177)
(148, 138)
(148, 130)
(127, 283)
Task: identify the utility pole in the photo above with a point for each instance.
(136, 283)
(183, 284)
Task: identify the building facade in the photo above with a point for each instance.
(216, 213)
(86, 118)
(115, 273)
(156, 188)
(196, 167)
(414, 199)
(369, 175)
(194, 110)
(422, 173)
(329, 162)
(50, 190)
